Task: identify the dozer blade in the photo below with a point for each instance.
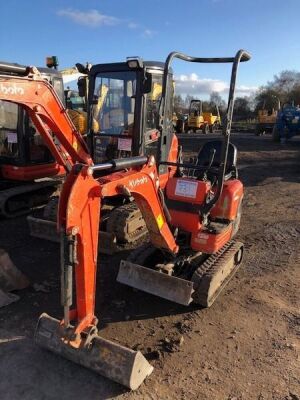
(44, 229)
(213, 275)
(157, 283)
(118, 363)
(10, 277)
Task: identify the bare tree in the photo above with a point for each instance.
(187, 101)
(242, 108)
(178, 104)
(216, 99)
(285, 87)
(267, 98)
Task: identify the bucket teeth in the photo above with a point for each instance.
(109, 359)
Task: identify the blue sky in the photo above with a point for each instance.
(109, 30)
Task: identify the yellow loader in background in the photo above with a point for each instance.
(199, 120)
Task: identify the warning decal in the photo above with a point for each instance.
(160, 221)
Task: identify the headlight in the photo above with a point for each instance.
(134, 62)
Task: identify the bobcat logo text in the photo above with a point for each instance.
(11, 89)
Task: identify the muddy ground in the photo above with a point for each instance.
(246, 346)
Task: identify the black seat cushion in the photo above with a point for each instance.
(204, 157)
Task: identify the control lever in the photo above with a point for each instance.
(211, 158)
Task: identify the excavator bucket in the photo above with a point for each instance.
(10, 277)
(111, 360)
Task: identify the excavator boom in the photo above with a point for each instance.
(44, 107)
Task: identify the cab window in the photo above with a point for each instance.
(8, 129)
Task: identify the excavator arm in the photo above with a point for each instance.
(75, 337)
(79, 216)
(41, 102)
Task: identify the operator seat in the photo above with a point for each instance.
(204, 157)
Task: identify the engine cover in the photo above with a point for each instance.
(184, 197)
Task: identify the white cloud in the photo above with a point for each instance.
(148, 33)
(132, 25)
(94, 18)
(243, 90)
(193, 85)
(91, 18)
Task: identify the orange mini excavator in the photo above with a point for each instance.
(191, 223)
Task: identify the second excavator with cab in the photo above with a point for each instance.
(28, 170)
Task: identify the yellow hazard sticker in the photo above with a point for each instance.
(160, 221)
(76, 146)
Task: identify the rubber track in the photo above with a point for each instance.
(120, 218)
(211, 265)
(140, 254)
(7, 194)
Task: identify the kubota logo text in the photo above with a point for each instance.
(11, 89)
(138, 182)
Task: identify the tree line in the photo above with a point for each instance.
(283, 89)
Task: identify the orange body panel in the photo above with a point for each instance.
(29, 173)
(210, 242)
(190, 192)
(227, 205)
(172, 157)
(187, 190)
(185, 221)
